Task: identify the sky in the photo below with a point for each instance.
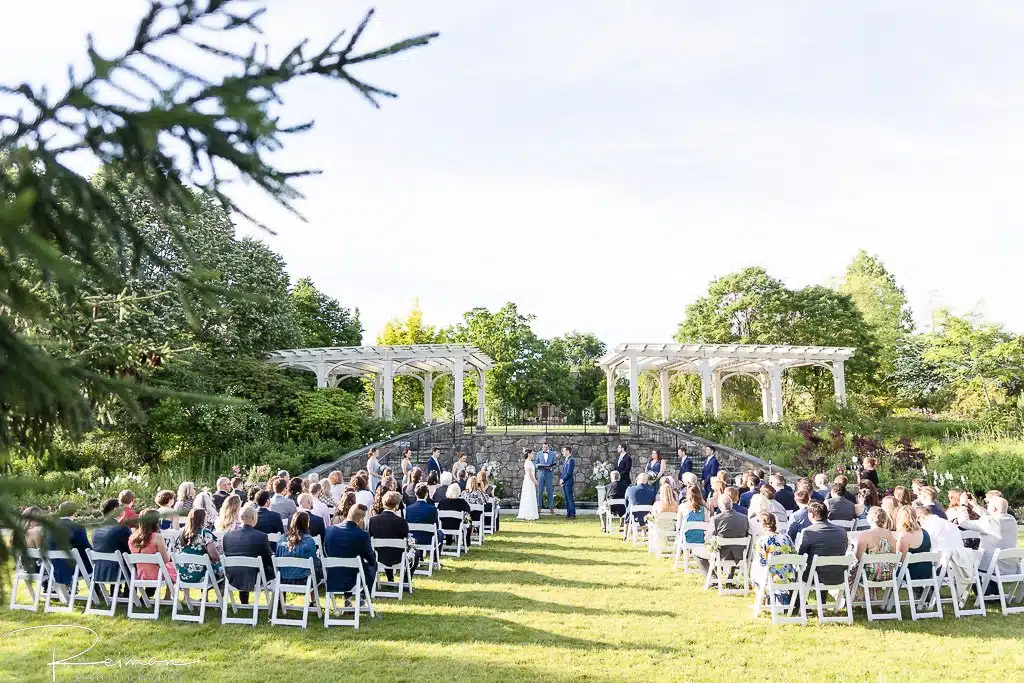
(599, 162)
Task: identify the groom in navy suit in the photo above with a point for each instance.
(546, 461)
(568, 480)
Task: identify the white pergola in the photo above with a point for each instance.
(715, 363)
(425, 362)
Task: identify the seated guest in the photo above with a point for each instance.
(165, 508)
(877, 540)
(728, 524)
(186, 494)
(912, 539)
(997, 527)
(387, 484)
(349, 540)
(267, 521)
(640, 494)
(927, 497)
(692, 510)
(433, 482)
(717, 489)
(944, 535)
(615, 490)
(769, 544)
(197, 539)
(230, 517)
(822, 538)
(799, 520)
(839, 508)
(753, 484)
(821, 489)
(146, 539)
(844, 482)
(441, 492)
(348, 501)
(666, 500)
(765, 499)
(298, 543)
(472, 495)
(316, 522)
(127, 500)
(237, 488)
(320, 509)
(388, 525)
(409, 490)
(889, 505)
(867, 498)
(280, 502)
(336, 485)
(902, 496)
(222, 492)
(453, 501)
(296, 487)
(364, 496)
(74, 535)
(248, 541)
(111, 537)
(421, 512)
(784, 495)
(734, 493)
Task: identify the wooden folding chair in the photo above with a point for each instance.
(878, 610)
(360, 592)
(919, 603)
(137, 587)
(184, 588)
(606, 515)
(686, 551)
(822, 589)
(458, 534)
(430, 551)
(719, 568)
(960, 574)
(767, 596)
(661, 533)
(100, 588)
(401, 570)
(69, 593)
(31, 570)
(310, 595)
(633, 525)
(476, 534)
(1007, 567)
(261, 587)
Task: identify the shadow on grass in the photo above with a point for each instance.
(510, 602)
(522, 578)
(497, 555)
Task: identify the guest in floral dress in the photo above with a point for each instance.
(772, 543)
(878, 539)
(197, 539)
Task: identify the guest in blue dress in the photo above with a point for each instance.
(912, 539)
(692, 510)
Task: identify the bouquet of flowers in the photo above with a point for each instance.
(602, 473)
(491, 467)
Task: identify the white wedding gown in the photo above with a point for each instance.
(528, 497)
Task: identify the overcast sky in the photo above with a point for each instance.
(599, 162)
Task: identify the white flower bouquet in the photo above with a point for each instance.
(602, 474)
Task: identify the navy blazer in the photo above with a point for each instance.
(269, 522)
(624, 466)
(640, 495)
(248, 542)
(685, 465)
(433, 466)
(77, 539)
(798, 521)
(746, 496)
(820, 495)
(109, 539)
(826, 539)
(348, 540)
(784, 497)
(421, 512)
(316, 525)
(569, 470)
(710, 470)
(936, 510)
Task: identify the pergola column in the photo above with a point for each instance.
(321, 375)
(706, 381)
(609, 376)
(428, 397)
(458, 370)
(716, 393)
(766, 397)
(839, 380)
(663, 379)
(634, 389)
(377, 403)
(389, 389)
(481, 400)
(775, 375)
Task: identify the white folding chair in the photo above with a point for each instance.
(607, 516)
(170, 536)
(919, 603)
(719, 568)
(960, 572)
(768, 593)
(459, 534)
(319, 546)
(490, 517)
(634, 525)
(273, 538)
(847, 524)
(1006, 567)
(32, 577)
(67, 593)
(260, 587)
(137, 587)
(360, 592)
(100, 588)
(401, 570)
(430, 551)
(661, 533)
(476, 534)
(686, 551)
(184, 589)
(877, 609)
(841, 589)
(307, 589)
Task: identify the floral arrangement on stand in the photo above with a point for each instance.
(602, 473)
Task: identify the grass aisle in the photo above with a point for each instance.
(548, 600)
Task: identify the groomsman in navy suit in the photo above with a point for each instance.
(546, 461)
(685, 464)
(567, 481)
(710, 470)
(434, 463)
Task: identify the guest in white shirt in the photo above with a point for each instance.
(337, 485)
(319, 507)
(364, 496)
(946, 538)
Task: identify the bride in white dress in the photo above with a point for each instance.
(528, 497)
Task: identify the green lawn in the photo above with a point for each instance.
(545, 601)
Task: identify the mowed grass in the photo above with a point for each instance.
(546, 601)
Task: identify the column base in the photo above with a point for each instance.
(481, 429)
(613, 429)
